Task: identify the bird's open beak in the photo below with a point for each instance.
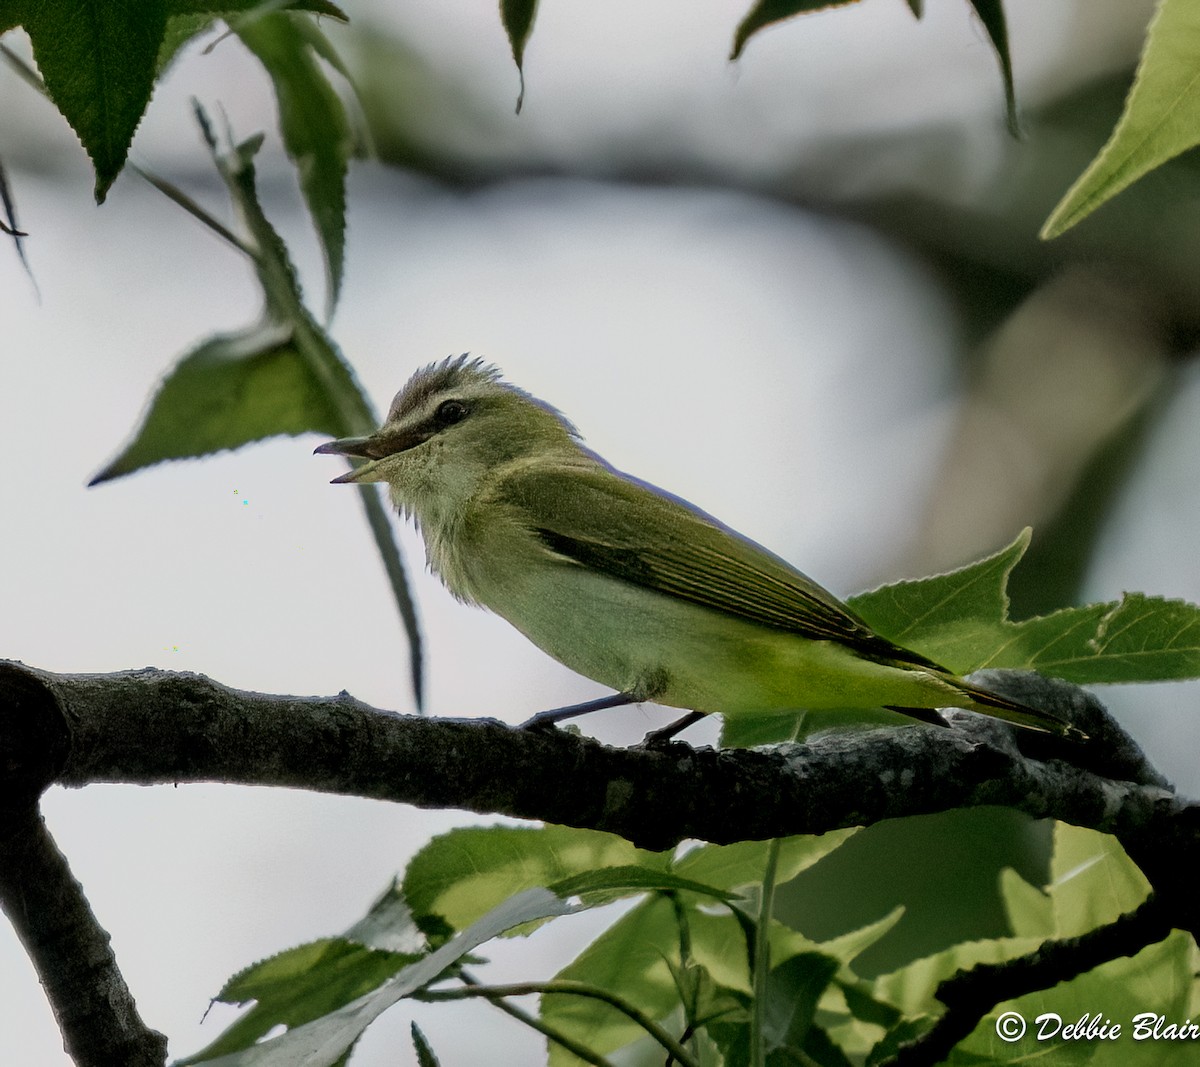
(373, 448)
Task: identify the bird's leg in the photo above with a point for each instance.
(665, 733)
(555, 715)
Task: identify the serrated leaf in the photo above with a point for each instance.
(961, 620)
(313, 123)
(297, 986)
(98, 59)
(325, 1040)
(972, 596)
(766, 12)
(306, 982)
(460, 874)
(1161, 117)
(234, 388)
(517, 17)
(388, 925)
(848, 946)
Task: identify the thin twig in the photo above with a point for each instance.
(576, 989)
(576, 1048)
(970, 995)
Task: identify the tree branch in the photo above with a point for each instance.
(970, 995)
(153, 726)
(96, 1012)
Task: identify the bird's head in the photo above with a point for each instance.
(448, 428)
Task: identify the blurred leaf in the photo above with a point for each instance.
(425, 1056)
(99, 60)
(518, 16)
(314, 386)
(793, 989)
(991, 14)
(766, 12)
(324, 1041)
(1161, 117)
(313, 123)
(9, 225)
(462, 873)
(961, 620)
(232, 389)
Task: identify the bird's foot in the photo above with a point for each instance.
(544, 720)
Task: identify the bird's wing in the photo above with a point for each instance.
(631, 531)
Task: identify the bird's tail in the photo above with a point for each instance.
(1013, 711)
(998, 707)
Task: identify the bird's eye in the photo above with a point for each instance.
(450, 412)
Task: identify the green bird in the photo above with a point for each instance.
(621, 581)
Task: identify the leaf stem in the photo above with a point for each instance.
(762, 957)
(569, 988)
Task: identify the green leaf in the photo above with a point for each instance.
(388, 925)
(742, 864)
(181, 30)
(961, 620)
(425, 1056)
(324, 395)
(793, 989)
(460, 874)
(1161, 117)
(249, 7)
(316, 133)
(98, 59)
(324, 1041)
(1158, 979)
(232, 389)
(766, 12)
(991, 14)
(1092, 880)
(611, 883)
(304, 983)
(968, 602)
(517, 17)
(630, 956)
(298, 986)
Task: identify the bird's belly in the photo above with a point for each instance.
(678, 653)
